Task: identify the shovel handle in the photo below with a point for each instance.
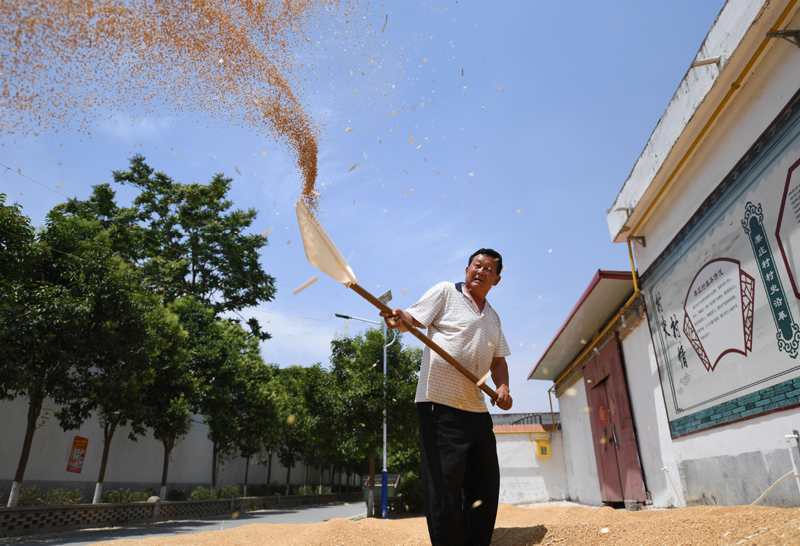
(426, 340)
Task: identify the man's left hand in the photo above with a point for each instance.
(504, 400)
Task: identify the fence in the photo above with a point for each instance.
(16, 522)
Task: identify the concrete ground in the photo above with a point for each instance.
(299, 515)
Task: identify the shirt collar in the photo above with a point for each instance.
(460, 286)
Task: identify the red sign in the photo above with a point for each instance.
(77, 454)
(602, 414)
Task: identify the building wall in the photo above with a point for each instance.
(134, 465)
(730, 465)
(523, 477)
(747, 116)
(650, 419)
(583, 483)
(733, 463)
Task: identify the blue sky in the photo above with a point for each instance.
(523, 152)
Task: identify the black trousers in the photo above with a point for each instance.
(459, 454)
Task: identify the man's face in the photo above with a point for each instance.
(482, 275)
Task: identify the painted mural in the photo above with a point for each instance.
(723, 300)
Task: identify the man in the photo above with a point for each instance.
(456, 441)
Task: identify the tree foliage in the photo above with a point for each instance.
(119, 312)
(357, 391)
(186, 238)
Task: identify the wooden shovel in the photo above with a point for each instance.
(324, 255)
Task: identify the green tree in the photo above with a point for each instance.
(320, 448)
(47, 317)
(272, 432)
(187, 239)
(131, 332)
(18, 252)
(294, 431)
(257, 406)
(360, 396)
(169, 398)
(232, 397)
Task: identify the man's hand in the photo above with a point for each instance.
(394, 321)
(499, 371)
(504, 400)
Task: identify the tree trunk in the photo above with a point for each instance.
(321, 475)
(371, 497)
(330, 479)
(108, 434)
(35, 400)
(246, 474)
(288, 477)
(214, 468)
(168, 444)
(305, 479)
(269, 471)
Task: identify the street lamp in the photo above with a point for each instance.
(385, 298)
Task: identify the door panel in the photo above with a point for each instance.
(608, 452)
(613, 434)
(605, 454)
(620, 415)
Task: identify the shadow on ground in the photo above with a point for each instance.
(144, 530)
(518, 535)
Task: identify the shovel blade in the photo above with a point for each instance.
(320, 250)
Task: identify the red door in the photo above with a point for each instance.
(613, 435)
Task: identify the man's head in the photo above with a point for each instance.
(483, 271)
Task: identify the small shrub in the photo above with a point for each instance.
(311, 490)
(410, 494)
(28, 496)
(126, 495)
(229, 491)
(304, 490)
(56, 497)
(201, 493)
(177, 495)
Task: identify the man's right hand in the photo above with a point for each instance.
(394, 321)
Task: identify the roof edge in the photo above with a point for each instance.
(688, 108)
(598, 276)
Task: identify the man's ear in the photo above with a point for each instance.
(496, 280)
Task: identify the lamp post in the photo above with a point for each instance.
(384, 473)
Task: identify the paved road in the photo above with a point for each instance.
(299, 515)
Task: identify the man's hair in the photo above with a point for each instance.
(492, 254)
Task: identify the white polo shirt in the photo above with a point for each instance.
(472, 337)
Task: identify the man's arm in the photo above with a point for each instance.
(393, 320)
(499, 371)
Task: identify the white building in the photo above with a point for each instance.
(679, 389)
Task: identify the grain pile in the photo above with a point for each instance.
(71, 64)
(516, 526)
